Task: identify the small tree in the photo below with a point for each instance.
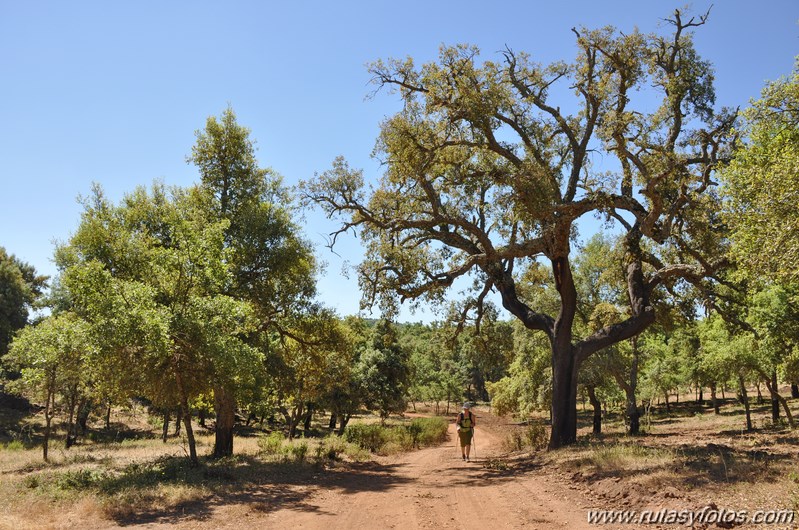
(53, 358)
(383, 372)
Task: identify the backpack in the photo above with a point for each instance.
(464, 422)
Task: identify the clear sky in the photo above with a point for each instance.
(113, 92)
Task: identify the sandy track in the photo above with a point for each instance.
(434, 488)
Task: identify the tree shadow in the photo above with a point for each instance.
(243, 480)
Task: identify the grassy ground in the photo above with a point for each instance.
(688, 458)
(128, 475)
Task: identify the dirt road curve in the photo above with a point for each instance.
(433, 488)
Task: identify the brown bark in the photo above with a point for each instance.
(777, 399)
(794, 390)
(597, 406)
(745, 401)
(225, 408)
(714, 399)
(775, 402)
(49, 407)
(165, 428)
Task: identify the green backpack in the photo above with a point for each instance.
(465, 422)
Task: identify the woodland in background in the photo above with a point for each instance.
(200, 301)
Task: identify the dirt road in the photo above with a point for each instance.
(434, 488)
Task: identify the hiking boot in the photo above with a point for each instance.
(464, 457)
(467, 459)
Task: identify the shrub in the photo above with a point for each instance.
(14, 445)
(367, 436)
(271, 444)
(298, 450)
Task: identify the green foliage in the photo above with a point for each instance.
(382, 371)
(379, 438)
(20, 287)
(761, 184)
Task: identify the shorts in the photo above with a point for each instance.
(465, 436)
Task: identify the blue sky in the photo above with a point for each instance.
(112, 92)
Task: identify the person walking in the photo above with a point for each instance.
(465, 423)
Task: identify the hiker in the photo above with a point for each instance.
(465, 425)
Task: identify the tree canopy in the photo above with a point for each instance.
(486, 173)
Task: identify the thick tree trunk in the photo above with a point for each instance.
(714, 398)
(794, 390)
(165, 429)
(597, 406)
(332, 423)
(564, 397)
(745, 400)
(201, 418)
(633, 414)
(701, 398)
(225, 408)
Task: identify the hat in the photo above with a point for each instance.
(467, 405)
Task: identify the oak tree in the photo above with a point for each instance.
(488, 170)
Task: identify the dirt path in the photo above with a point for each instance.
(434, 488)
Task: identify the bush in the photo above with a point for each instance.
(14, 445)
(428, 431)
(298, 450)
(532, 437)
(271, 444)
(371, 437)
(392, 439)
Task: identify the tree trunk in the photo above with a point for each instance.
(108, 415)
(794, 390)
(184, 410)
(332, 423)
(201, 417)
(666, 397)
(779, 400)
(49, 407)
(701, 398)
(84, 409)
(633, 413)
(775, 402)
(178, 419)
(745, 400)
(714, 398)
(345, 419)
(225, 408)
(70, 441)
(597, 406)
(308, 418)
(294, 420)
(165, 429)
(564, 397)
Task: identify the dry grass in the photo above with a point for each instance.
(690, 457)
